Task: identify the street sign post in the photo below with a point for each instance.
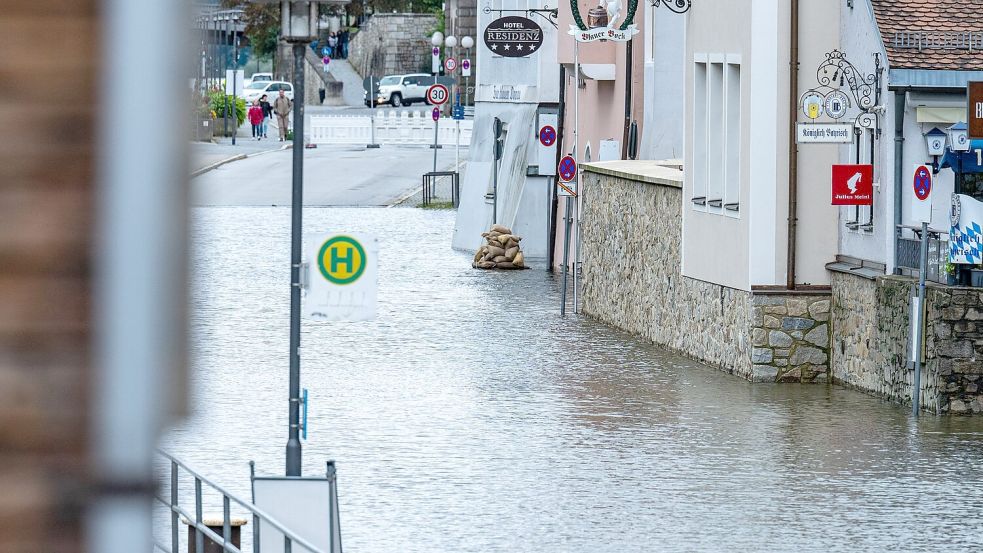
(343, 277)
(436, 126)
(921, 194)
(853, 185)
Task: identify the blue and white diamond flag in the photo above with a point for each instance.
(966, 234)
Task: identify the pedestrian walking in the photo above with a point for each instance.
(281, 107)
(256, 119)
(264, 103)
(333, 45)
(343, 44)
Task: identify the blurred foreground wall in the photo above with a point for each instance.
(48, 69)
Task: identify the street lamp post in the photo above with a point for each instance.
(298, 26)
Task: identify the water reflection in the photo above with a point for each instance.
(470, 417)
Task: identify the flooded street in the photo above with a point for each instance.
(470, 418)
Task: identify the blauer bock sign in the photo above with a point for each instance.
(513, 36)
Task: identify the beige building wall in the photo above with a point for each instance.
(748, 248)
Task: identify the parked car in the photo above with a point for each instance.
(272, 89)
(402, 90)
(257, 77)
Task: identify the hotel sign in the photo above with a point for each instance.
(513, 36)
(824, 133)
(976, 111)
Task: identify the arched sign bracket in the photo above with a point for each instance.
(546, 12)
(678, 6)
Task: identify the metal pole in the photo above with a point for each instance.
(495, 184)
(297, 206)
(235, 74)
(225, 68)
(576, 252)
(457, 145)
(566, 253)
(916, 345)
(436, 124)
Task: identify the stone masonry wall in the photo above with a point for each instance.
(393, 44)
(870, 342)
(632, 280)
(790, 337)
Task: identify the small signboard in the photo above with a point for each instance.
(458, 112)
(965, 238)
(465, 67)
(921, 194)
(450, 64)
(567, 169)
(437, 94)
(547, 144)
(435, 60)
(343, 277)
(235, 81)
(513, 36)
(435, 114)
(975, 110)
(853, 185)
(824, 133)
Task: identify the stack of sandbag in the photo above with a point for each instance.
(500, 251)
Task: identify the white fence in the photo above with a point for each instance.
(391, 127)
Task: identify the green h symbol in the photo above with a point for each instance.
(348, 260)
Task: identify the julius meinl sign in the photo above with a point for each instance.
(513, 36)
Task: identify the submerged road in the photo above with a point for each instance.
(333, 176)
(470, 418)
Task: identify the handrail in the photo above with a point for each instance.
(290, 537)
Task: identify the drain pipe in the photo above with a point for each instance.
(554, 200)
(793, 149)
(900, 98)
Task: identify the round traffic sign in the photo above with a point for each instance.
(547, 135)
(450, 64)
(922, 183)
(341, 260)
(567, 169)
(436, 51)
(435, 114)
(465, 64)
(437, 94)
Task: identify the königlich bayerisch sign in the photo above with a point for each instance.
(513, 36)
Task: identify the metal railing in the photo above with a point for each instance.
(430, 190)
(388, 128)
(908, 253)
(196, 521)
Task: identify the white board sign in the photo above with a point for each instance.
(546, 144)
(920, 192)
(239, 81)
(343, 277)
(307, 507)
(824, 133)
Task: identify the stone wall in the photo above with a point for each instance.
(632, 280)
(392, 44)
(871, 334)
(790, 335)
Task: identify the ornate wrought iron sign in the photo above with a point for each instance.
(602, 22)
(513, 36)
(836, 75)
(678, 6)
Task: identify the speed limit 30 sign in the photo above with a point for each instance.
(437, 94)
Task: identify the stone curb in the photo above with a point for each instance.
(216, 165)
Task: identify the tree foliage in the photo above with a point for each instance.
(262, 23)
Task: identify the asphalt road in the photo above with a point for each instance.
(333, 176)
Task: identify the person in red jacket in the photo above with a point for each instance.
(256, 119)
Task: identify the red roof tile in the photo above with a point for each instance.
(932, 34)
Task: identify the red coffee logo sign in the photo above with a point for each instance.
(853, 185)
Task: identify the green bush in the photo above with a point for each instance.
(218, 104)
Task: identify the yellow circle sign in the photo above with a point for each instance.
(341, 260)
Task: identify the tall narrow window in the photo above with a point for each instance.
(732, 162)
(715, 135)
(700, 157)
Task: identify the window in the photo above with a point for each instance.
(699, 149)
(717, 134)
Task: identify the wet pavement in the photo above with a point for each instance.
(470, 418)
